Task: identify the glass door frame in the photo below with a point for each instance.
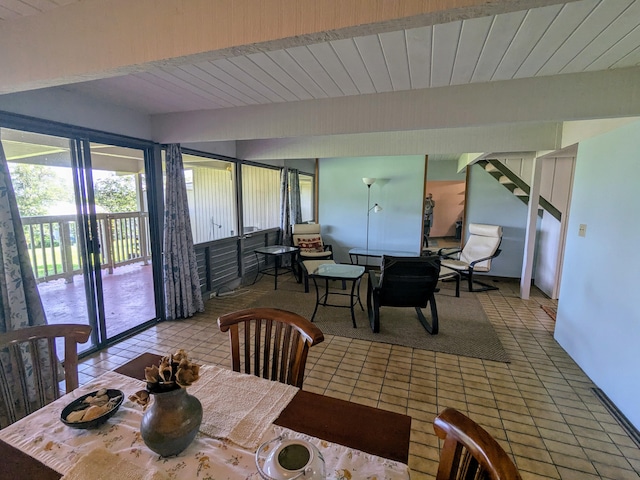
(80, 140)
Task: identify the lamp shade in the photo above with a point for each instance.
(376, 208)
(368, 181)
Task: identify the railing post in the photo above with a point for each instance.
(108, 241)
(66, 251)
(142, 226)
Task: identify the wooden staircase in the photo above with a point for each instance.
(515, 184)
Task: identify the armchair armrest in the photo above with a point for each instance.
(448, 252)
(472, 264)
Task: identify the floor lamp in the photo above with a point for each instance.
(376, 208)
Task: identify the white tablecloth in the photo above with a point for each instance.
(43, 436)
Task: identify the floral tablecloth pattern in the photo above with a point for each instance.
(43, 436)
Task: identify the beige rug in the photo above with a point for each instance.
(464, 328)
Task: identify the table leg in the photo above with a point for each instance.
(258, 269)
(275, 287)
(317, 298)
(351, 300)
(358, 293)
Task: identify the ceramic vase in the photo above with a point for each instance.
(171, 422)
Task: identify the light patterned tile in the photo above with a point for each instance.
(539, 407)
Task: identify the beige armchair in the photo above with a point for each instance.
(307, 237)
(482, 246)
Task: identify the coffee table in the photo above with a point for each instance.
(278, 252)
(344, 273)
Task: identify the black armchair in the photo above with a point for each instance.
(404, 282)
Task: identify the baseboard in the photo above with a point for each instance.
(623, 421)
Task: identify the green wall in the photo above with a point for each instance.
(343, 203)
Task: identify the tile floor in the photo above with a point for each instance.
(540, 406)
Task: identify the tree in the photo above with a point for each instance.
(36, 187)
(116, 194)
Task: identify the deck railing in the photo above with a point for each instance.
(54, 250)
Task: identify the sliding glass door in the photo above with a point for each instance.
(84, 212)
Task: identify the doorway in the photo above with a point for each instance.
(448, 212)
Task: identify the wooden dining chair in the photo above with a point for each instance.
(469, 451)
(30, 370)
(275, 343)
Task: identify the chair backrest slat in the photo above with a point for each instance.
(29, 367)
(469, 452)
(280, 343)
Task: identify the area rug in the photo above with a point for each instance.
(464, 328)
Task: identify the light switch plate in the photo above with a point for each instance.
(582, 230)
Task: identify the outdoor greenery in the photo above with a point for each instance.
(116, 194)
(36, 187)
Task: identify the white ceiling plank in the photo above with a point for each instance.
(394, 48)
(626, 22)
(618, 52)
(309, 63)
(250, 68)
(535, 24)
(595, 23)
(287, 62)
(373, 57)
(19, 7)
(145, 92)
(43, 5)
(160, 77)
(419, 55)
(566, 22)
(500, 36)
(632, 59)
(280, 75)
(243, 69)
(214, 70)
(6, 14)
(327, 57)
(351, 59)
(218, 87)
(200, 87)
(443, 55)
(472, 38)
(241, 76)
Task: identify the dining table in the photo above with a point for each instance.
(359, 432)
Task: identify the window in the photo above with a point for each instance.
(306, 197)
(260, 198)
(211, 196)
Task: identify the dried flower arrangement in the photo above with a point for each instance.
(174, 371)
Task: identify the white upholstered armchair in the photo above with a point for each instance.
(482, 246)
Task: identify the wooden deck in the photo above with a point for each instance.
(128, 298)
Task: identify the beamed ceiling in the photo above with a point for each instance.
(428, 77)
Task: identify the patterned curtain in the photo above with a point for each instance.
(20, 304)
(285, 219)
(296, 205)
(181, 284)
